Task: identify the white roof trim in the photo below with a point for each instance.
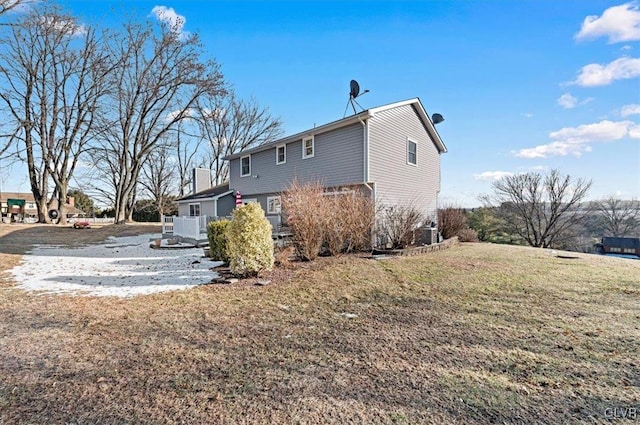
(431, 129)
(359, 117)
(209, 198)
(222, 195)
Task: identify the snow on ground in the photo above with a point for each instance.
(119, 267)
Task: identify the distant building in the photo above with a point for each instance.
(18, 206)
(617, 245)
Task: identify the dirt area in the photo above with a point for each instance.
(19, 238)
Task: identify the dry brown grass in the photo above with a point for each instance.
(475, 334)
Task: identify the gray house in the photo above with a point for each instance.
(391, 152)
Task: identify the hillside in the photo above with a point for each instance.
(472, 334)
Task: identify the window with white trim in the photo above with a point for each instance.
(308, 147)
(281, 154)
(194, 210)
(274, 205)
(412, 152)
(245, 166)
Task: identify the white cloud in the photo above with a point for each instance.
(567, 101)
(64, 26)
(24, 6)
(189, 113)
(626, 47)
(618, 23)
(578, 140)
(492, 175)
(169, 17)
(527, 114)
(628, 110)
(600, 75)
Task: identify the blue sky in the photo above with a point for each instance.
(523, 85)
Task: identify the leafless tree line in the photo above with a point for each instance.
(551, 211)
(128, 111)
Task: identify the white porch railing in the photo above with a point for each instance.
(186, 227)
(196, 227)
(167, 224)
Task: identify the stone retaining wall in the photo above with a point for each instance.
(417, 250)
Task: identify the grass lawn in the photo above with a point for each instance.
(475, 334)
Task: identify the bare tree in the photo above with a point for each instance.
(539, 209)
(187, 148)
(621, 218)
(231, 125)
(54, 76)
(158, 82)
(159, 178)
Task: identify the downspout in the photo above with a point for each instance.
(365, 140)
(365, 180)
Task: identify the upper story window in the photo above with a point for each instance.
(412, 152)
(307, 147)
(281, 154)
(245, 166)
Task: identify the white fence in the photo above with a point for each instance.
(186, 227)
(196, 227)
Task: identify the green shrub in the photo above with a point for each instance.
(218, 240)
(249, 243)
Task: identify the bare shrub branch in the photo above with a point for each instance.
(451, 220)
(397, 224)
(304, 206)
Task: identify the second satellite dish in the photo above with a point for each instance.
(437, 118)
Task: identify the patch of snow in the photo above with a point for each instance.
(119, 267)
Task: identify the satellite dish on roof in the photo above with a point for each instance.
(354, 91)
(437, 118)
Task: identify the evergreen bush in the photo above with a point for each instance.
(249, 243)
(218, 240)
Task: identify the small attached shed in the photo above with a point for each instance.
(217, 201)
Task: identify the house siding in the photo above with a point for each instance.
(206, 207)
(397, 182)
(226, 204)
(338, 160)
